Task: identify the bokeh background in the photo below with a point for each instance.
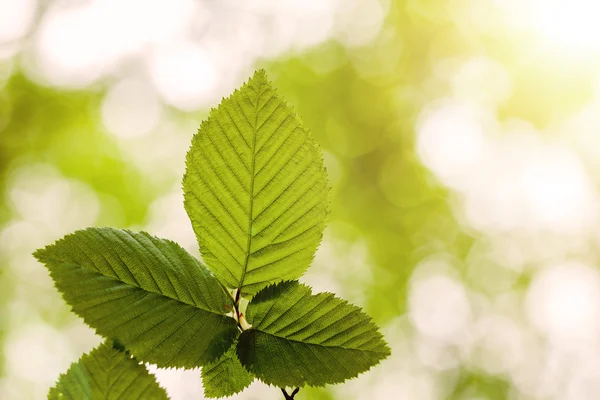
(462, 139)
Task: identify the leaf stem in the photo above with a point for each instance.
(238, 294)
(290, 396)
(239, 317)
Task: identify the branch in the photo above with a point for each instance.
(290, 396)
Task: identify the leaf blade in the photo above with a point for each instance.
(226, 376)
(107, 374)
(299, 339)
(255, 189)
(147, 293)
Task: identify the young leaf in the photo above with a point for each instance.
(298, 338)
(107, 374)
(226, 376)
(148, 293)
(255, 189)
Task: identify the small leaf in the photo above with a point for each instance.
(302, 339)
(148, 293)
(255, 189)
(107, 374)
(226, 376)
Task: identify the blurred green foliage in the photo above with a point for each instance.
(45, 125)
(362, 104)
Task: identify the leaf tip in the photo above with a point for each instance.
(258, 80)
(260, 74)
(39, 254)
(44, 254)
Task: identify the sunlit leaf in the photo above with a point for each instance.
(107, 374)
(256, 189)
(226, 376)
(148, 293)
(298, 338)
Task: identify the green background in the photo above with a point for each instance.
(461, 138)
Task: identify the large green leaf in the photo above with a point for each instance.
(107, 374)
(256, 189)
(298, 338)
(226, 376)
(148, 293)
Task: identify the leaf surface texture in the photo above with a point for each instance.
(148, 293)
(226, 376)
(255, 189)
(107, 374)
(301, 339)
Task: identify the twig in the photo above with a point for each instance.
(290, 396)
(236, 306)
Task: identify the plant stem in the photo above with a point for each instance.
(236, 306)
(290, 396)
(238, 315)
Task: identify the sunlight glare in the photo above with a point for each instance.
(74, 48)
(131, 109)
(563, 302)
(68, 204)
(570, 24)
(451, 140)
(559, 191)
(444, 316)
(187, 75)
(16, 18)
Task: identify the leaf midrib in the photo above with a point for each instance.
(252, 176)
(384, 351)
(137, 286)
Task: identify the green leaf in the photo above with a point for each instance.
(107, 373)
(301, 339)
(226, 376)
(255, 189)
(147, 293)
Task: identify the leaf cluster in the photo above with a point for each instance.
(257, 195)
